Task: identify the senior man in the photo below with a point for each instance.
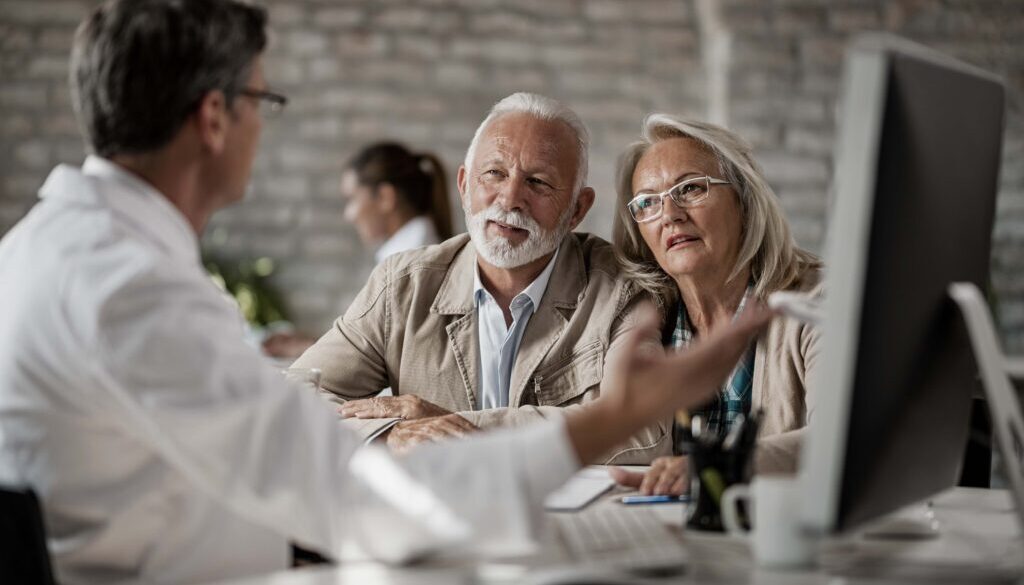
(509, 324)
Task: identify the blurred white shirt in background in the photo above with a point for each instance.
(418, 231)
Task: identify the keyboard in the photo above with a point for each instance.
(623, 537)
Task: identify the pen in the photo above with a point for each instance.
(654, 499)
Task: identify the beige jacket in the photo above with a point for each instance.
(784, 361)
(414, 327)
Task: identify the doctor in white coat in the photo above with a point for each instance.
(162, 447)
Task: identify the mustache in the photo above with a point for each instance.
(516, 219)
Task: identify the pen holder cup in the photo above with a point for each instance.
(713, 468)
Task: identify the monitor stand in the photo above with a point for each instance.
(997, 372)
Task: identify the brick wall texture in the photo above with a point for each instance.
(426, 72)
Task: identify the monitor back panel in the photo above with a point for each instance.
(931, 225)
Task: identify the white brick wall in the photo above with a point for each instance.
(785, 83)
(425, 73)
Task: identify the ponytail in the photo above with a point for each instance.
(418, 179)
(440, 211)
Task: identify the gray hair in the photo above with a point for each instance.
(768, 248)
(190, 47)
(544, 108)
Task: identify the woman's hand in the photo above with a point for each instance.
(667, 476)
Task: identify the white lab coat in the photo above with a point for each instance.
(165, 450)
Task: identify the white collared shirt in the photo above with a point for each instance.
(418, 231)
(165, 450)
(499, 344)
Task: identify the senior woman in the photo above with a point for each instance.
(699, 228)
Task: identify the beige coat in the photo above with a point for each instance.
(414, 327)
(784, 361)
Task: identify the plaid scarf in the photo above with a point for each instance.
(735, 395)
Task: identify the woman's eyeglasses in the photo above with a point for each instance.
(690, 193)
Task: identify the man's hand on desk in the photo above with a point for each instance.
(409, 433)
(406, 406)
(667, 476)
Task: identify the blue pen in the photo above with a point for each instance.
(654, 499)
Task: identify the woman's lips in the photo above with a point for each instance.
(681, 241)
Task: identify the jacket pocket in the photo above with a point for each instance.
(567, 380)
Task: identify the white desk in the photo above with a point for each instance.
(980, 542)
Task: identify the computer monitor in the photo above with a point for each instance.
(915, 186)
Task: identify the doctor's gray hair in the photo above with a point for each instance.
(768, 248)
(544, 108)
(139, 68)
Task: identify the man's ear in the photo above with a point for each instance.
(211, 121)
(583, 204)
(460, 181)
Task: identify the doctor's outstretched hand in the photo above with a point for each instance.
(641, 386)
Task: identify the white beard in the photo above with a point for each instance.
(499, 251)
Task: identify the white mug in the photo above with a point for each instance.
(773, 504)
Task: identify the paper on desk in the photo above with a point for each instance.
(370, 428)
(580, 490)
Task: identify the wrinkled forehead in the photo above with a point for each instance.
(670, 161)
(509, 147)
(529, 142)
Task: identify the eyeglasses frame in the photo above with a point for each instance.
(276, 101)
(667, 193)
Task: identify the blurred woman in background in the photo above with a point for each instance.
(397, 200)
